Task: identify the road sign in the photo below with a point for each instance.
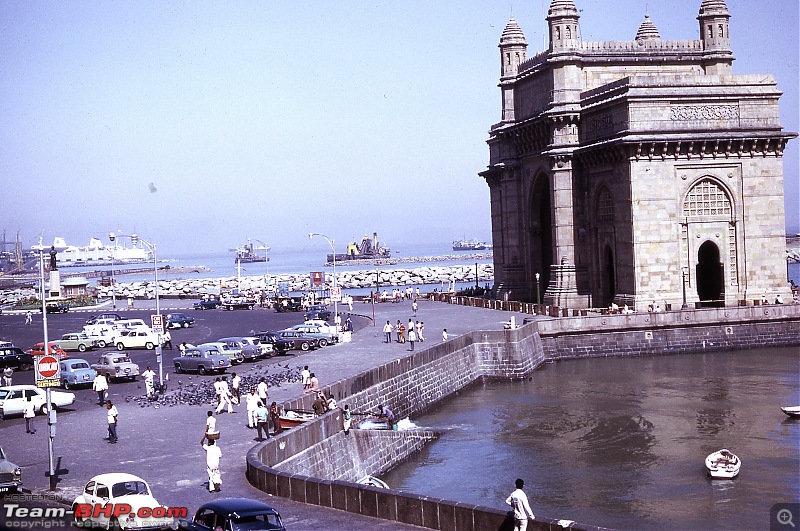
(317, 279)
(47, 371)
(158, 323)
(336, 294)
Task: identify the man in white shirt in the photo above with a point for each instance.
(148, 377)
(112, 421)
(213, 456)
(236, 382)
(252, 402)
(518, 501)
(29, 413)
(224, 396)
(305, 374)
(263, 395)
(101, 386)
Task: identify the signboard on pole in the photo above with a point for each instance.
(317, 279)
(336, 294)
(47, 371)
(157, 322)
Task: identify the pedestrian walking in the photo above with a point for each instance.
(236, 382)
(412, 337)
(420, 329)
(28, 318)
(263, 393)
(8, 372)
(224, 396)
(29, 413)
(113, 417)
(414, 307)
(444, 334)
(275, 418)
(100, 385)
(262, 417)
(347, 418)
(252, 402)
(211, 426)
(305, 376)
(149, 376)
(167, 340)
(401, 334)
(213, 457)
(518, 501)
(387, 332)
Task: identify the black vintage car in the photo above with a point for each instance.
(15, 358)
(288, 304)
(288, 340)
(207, 304)
(179, 320)
(318, 311)
(57, 307)
(233, 514)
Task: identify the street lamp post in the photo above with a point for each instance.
(111, 237)
(336, 299)
(48, 396)
(152, 247)
(683, 278)
(538, 295)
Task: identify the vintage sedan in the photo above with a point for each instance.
(235, 354)
(207, 304)
(235, 514)
(265, 348)
(201, 359)
(325, 338)
(54, 350)
(13, 398)
(11, 356)
(116, 366)
(104, 316)
(128, 494)
(10, 475)
(136, 338)
(179, 320)
(57, 307)
(77, 341)
(299, 340)
(249, 351)
(75, 372)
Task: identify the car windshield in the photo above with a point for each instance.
(4, 394)
(257, 523)
(122, 359)
(80, 365)
(125, 488)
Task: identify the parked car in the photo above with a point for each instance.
(138, 338)
(234, 354)
(235, 514)
(279, 344)
(318, 311)
(56, 307)
(297, 340)
(249, 351)
(104, 316)
(10, 475)
(54, 350)
(102, 333)
(11, 356)
(118, 489)
(13, 398)
(77, 341)
(201, 359)
(207, 304)
(116, 366)
(75, 372)
(324, 337)
(288, 305)
(238, 304)
(265, 348)
(178, 320)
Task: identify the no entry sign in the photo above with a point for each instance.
(47, 373)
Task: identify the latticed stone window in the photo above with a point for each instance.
(605, 206)
(706, 198)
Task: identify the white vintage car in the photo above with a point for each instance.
(136, 338)
(13, 398)
(132, 504)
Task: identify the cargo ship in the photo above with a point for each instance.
(246, 254)
(469, 245)
(368, 249)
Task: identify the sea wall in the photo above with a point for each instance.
(286, 465)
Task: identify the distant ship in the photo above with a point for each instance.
(469, 245)
(97, 254)
(368, 249)
(247, 254)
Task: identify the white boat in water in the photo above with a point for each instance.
(98, 254)
(372, 481)
(792, 411)
(723, 464)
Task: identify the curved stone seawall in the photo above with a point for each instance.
(315, 464)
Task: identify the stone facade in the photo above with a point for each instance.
(627, 171)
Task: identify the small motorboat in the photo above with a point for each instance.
(792, 411)
(723, 464)
(372, 481)
(291, 419)
(374, 423)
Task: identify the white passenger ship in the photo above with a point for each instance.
(96, 253)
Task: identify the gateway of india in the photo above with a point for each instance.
(635, 171)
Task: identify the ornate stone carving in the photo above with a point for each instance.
(704, 112)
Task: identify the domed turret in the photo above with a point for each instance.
(563, 20)
(512, 53)
(714, 19)
(647, 31)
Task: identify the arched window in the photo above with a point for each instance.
(721, 33)
(605, 206)
(706, 198)
(569, 32)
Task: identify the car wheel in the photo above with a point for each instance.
(201, 369)
(149, 346)
(43, 410)
(65, 384)
(81, 348)
(250, 307)
(323, 342)
(178, 369)
(304, 346)
(120, 347)
(186, 325)
(101, 344)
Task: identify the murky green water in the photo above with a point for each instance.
(621, 442)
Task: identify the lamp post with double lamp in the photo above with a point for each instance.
(538, 295)
(336, 298)
(135, 239)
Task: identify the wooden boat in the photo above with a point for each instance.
(723, 464)
(372, 481)
(792, 411)
(291, 419)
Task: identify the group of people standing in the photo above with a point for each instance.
(410, 333)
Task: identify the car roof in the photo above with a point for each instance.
(73, 361)
(232, 338)
(16, 387)
(240, 506)
(115, 477)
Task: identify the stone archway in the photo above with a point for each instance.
(710, 275)
(541, 223)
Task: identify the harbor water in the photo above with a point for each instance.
(621, 442)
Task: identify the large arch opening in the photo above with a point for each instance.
(710, 275)
(541, 232)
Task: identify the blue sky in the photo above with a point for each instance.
(199, 124)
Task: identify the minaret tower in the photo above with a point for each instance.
(512, 53)
(562, 18)
(714, 20)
